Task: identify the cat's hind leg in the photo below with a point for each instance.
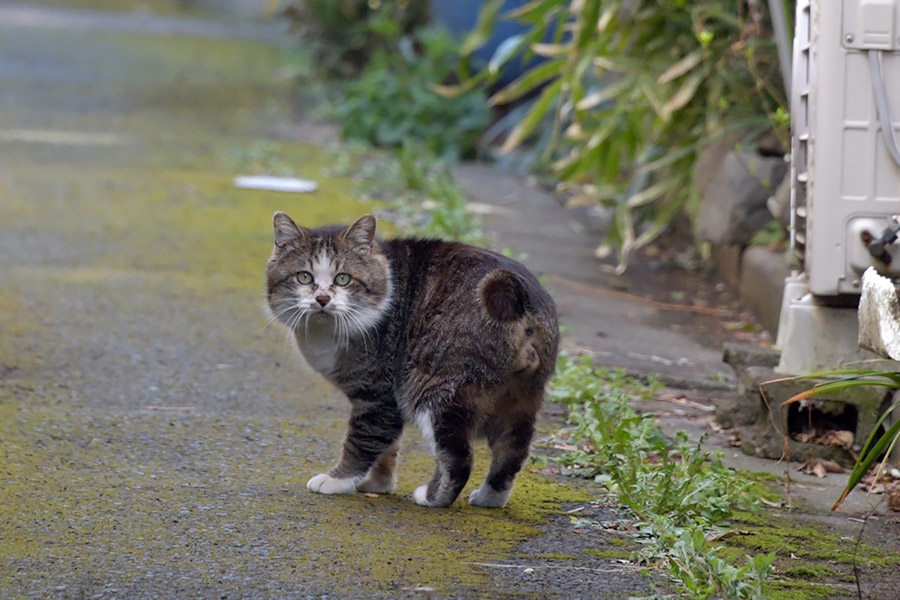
(374, 428)
(510, 446)
(382, 477)
(448, 432)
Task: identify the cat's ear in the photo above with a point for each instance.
(361, 234)
(286, 231)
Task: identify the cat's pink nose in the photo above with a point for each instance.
(323, 300)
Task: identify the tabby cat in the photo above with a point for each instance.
(458, 340)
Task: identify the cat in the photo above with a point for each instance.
(458, 340)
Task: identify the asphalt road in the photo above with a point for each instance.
(155, 435)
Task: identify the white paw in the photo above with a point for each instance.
(489, 498)
(323, 483)
(420, 495)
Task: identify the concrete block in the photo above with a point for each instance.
(741, 355)
(818, 337)
(763, 421)
(727, 262)
(763, 272)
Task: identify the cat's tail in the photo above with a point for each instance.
(504, 295)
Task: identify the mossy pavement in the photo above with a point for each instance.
(155, 435)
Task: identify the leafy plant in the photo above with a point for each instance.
(418, 189)
(343, 34)
(631, 91)
(679, 493)
(393, 100)
(650, 474)
(698, 571)
(881, 441)
(772, 234)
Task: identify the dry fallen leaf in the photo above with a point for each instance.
(838, 438)
(715, 537)
(566, 447)
(842, 438)
(894, 500)
(821, 466)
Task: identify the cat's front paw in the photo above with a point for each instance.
(488, 497)
(323, 483)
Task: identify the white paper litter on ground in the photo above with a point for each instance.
(275, 184)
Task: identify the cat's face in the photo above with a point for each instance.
(330, 277)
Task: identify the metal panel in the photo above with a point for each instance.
(846, 186)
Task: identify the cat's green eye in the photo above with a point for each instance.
(305, 277)
(342, 279)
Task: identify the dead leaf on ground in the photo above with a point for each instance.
(894, 500)
(820, 466)
(716, 537)
(882, 480)
(838, 438)
(567, 447)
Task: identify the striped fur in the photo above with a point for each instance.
(456, 339)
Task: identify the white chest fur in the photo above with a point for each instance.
(319, 347)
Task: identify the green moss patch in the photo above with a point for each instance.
(810, 563)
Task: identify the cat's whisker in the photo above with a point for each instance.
(277, 315)
(339, 329)
(291, 323)
(348, 329)
(354, 318)
(306, 326)
(343, 335)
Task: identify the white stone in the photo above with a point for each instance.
(879, 315)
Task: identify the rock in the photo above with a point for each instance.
(734, 200)
(779, 204)
(879, 315)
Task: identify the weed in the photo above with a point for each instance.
(343, 34)
(695, 567)
(418, 190)
(679, 494)
(772, 234)
(394, 101)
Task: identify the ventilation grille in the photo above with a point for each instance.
(800, 124)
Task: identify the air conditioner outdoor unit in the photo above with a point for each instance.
(845, 194)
